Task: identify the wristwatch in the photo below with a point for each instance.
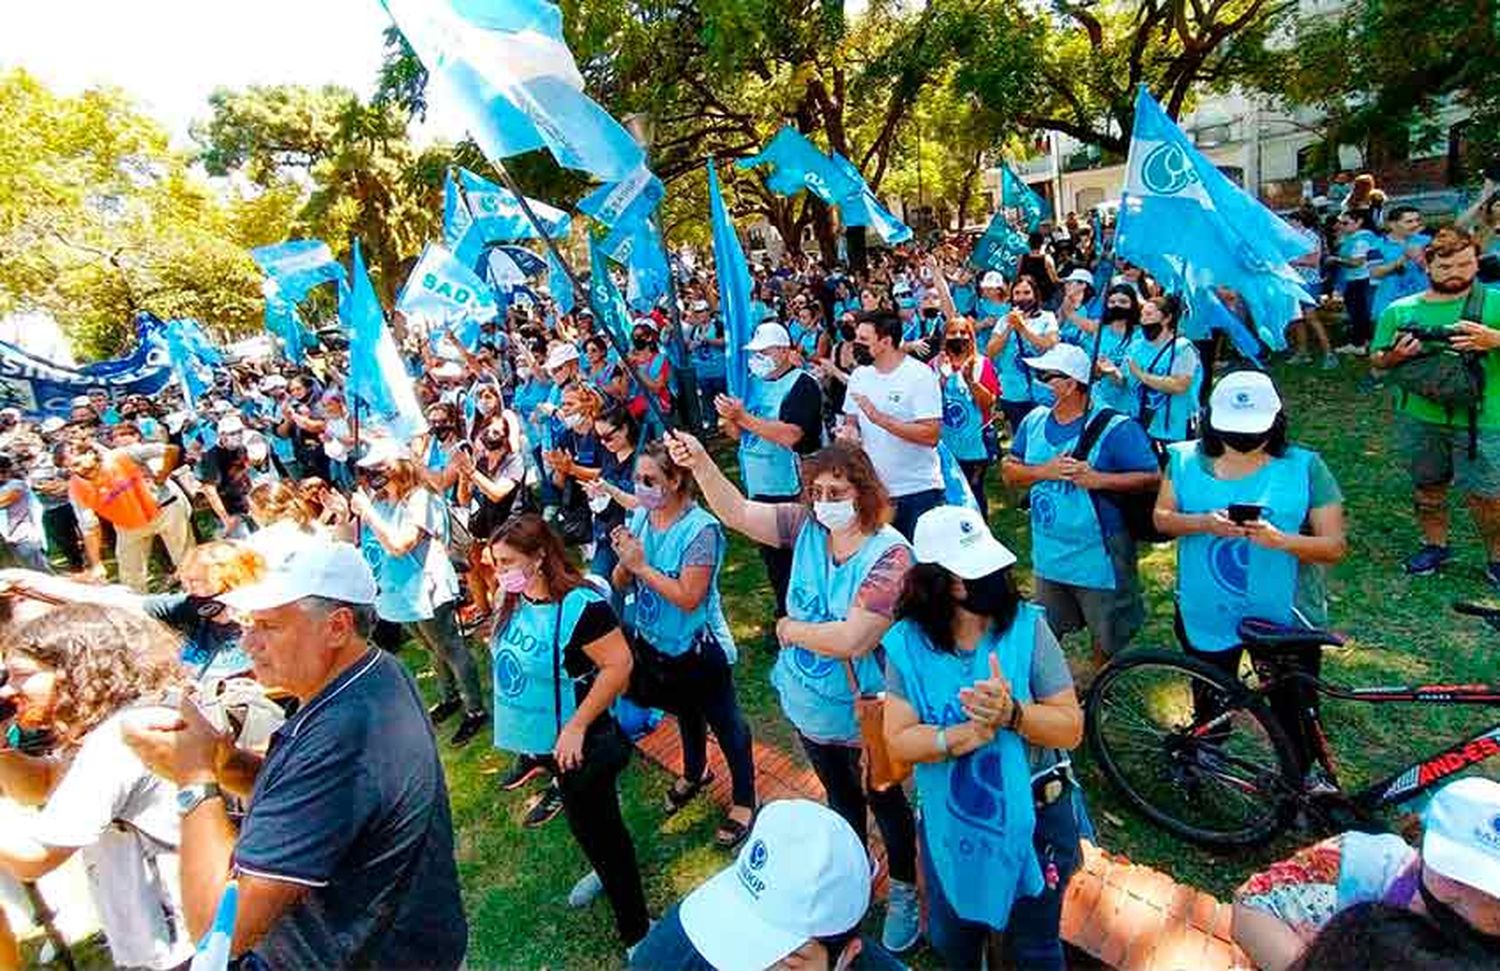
(191, 797)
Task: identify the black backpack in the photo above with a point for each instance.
(1136, 508)
(1452, 379)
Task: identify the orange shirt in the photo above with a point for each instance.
(121, 492)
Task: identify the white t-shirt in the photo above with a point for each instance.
(123, 821)
(911, 392)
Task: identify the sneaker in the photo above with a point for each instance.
(1347, 349)
(1427, 560)
(527, 767)
(444, 710)
(544, 808)
(1330, 362)
(586, 890)
(903, 917)
(474, 722)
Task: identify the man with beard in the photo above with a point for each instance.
(1446, 445)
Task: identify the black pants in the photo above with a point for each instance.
(838, 768)
(60, 524)
(1359, 296)
(592, 806)
(974, 473)
(778, 559)
(698, 688)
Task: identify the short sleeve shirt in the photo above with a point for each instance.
(351, 803)
(1426, 313)
(909, 393)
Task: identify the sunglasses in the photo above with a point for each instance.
(1046, 376)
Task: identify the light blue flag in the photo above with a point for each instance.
(378, 380)
(560, 285)
(526, 261)
(863, 209)
(503, 273)
(734, 290)
(1016, 194)
(609, 306)
(213, 950)
(956, 491)
(283, 322)
(620, 207)
(1194, 230)
(484, 213)
(1000, 246)
(796, 164)
(504, 66)
(194, 373)
(646, 270)
(297, 266)
(449, 295)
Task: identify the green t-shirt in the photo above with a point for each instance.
(1418, 310)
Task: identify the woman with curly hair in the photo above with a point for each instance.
(76, 673)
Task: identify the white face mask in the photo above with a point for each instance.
(485, 405)
(834, 515)
(599, 503)
(762, 365)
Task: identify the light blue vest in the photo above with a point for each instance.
(964, 296)
(1170, 412)
(769, 469)
(1115, 348)
(977, 811)
(668, 628)
(814, 688)
(1067, 545)
(533, 693)
(708, 360)
(805, 339)
(1221, 581)
(963, 423)
(405, 590)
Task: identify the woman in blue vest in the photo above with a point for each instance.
(404, 533)
(1025, 331)
(970, 388)
(533, 386)
(610, 487)
(1256, 519)
(559, 660)
(670, 551)
(809, 337)
(979, 697)
(1166, 374)
(655, 370)
(1112, 387)
(847, 568)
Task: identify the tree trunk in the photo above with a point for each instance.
(966, 192)
(822, 221)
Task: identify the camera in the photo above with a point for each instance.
(1428, 335)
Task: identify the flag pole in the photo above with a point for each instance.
(620, 348)
(688, 374)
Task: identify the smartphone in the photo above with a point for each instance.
(1241, 513)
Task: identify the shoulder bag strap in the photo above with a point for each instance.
(1092, 432)
(1170, 348)
(557, 666)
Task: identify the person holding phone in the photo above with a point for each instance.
(1257, 519)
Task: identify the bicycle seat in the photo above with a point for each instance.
(1259, 632)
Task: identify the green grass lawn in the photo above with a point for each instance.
(516, 881)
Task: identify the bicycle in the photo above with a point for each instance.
(1225, 762)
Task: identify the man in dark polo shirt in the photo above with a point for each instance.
(345, 856)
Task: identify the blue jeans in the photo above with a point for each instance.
(909, 508)
(1031, 937)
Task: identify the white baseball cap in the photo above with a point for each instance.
(1080, 275)
(1069, 359)
(561, 353)
(801, 874)
(991, 279)
(334, 571)
(957, 539)
(448, 370)
(769, 335)
(221, 407)
(1461, 833)
(231, 425)
(53, 425)
(10, 412)
(1244, 401)
(382, 451)
(256, 449)
(271, 382)
(82, 401)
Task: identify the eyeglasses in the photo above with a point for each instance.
(830, 493)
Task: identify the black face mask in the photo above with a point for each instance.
(1025, 306)
(931, 313)
(1116, 313)
(641, 343)
(957, 345)
(1244, 441)
(988, 595)
(846, 331)
(376, 481)
(863, 355)
(494, 441)
(442, 428)
(1454, 927)
(1152, 331)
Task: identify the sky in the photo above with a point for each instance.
(171, 54)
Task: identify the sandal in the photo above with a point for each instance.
(677, 798)
(731, 833)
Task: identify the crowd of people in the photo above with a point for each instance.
(559, 514)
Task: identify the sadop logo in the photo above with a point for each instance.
(648, 606)
(814, 667)
(510, 680)
(955, 415)
(1229, 565)
(976, 789)
(1168, 170)
(1043, 508)
(758, 855)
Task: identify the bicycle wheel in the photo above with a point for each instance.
(1196, 752)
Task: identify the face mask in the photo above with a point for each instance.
(987, 595)
(515, 580)
(486, 406)
(1244, 441)
(641, 343)
(834, 515)
(846, 331)
(863, 355)
(931, 313)
(957, 346)
(598, 504)
(1152, 331)
(377, 481)
(1116, 313)
(494, 441)
(577, 423)
(1025, 306)
(651, 498)
(762, 366)
(442, 428)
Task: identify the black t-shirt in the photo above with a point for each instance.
(230, 468)
(595, 621)
(803, 407)
(352, 804)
